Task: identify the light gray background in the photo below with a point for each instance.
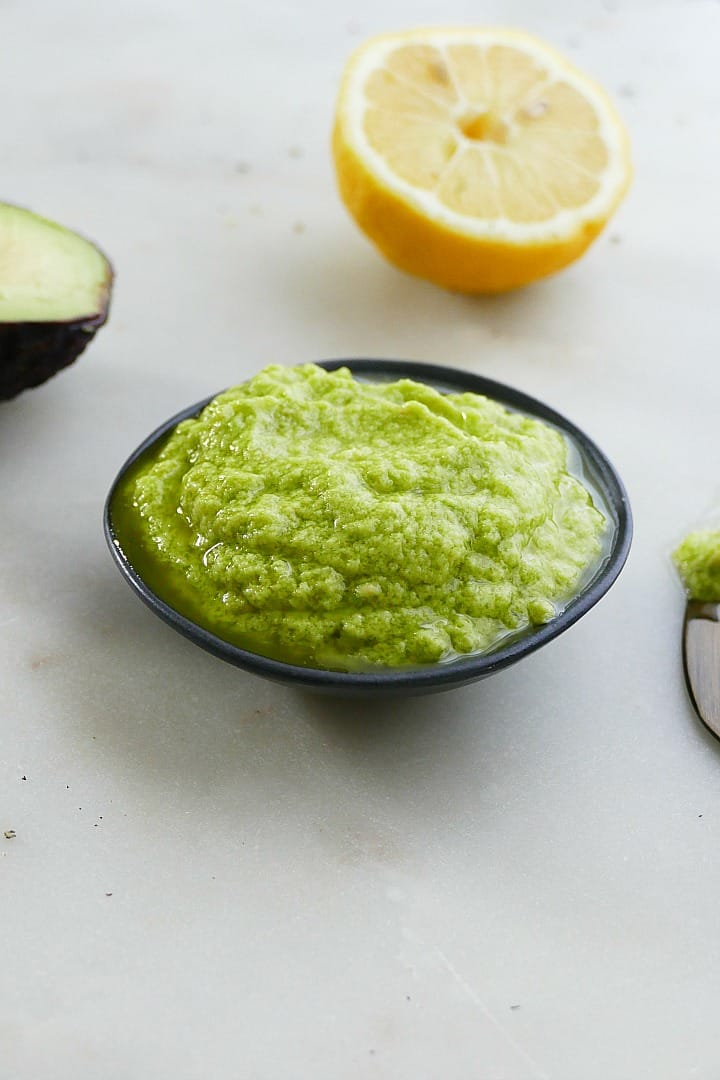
(514, 881)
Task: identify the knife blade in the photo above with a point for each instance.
(701, 660)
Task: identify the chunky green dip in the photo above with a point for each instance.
(698, 562)
(335, 523)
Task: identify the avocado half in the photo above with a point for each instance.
(55, 289)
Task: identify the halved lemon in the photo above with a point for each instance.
(480, 159)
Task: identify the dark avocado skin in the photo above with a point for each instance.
(31, 352)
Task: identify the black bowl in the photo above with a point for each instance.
(444, 676)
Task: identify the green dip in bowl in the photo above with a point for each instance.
(409, 527)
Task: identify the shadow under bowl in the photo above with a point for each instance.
(597, 472)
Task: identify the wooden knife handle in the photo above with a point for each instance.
(701, 660)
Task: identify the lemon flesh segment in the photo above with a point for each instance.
(488, 146)
(426, 68)
(416, 149)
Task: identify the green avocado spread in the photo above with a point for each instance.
(318, 519)
(698, 562)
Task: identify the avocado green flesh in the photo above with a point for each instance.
(48, 274)
(697, 560)
(320, 520)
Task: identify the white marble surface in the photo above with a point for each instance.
(216, 877)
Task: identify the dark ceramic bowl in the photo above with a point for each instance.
(598, 474)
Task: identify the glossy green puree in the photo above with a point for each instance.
(698, 562)
(334, 523)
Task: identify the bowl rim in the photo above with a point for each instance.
(457, 671)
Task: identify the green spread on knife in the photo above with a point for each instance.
(698, 562)
(312, 517)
